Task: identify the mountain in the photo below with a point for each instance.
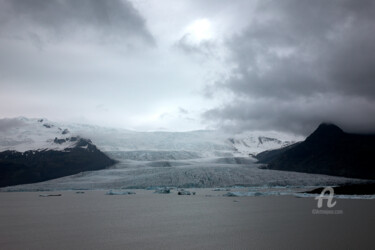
(254, 142)
(22, 134)
(328, 150)
(36, 150)
(32, 134)
(202, 158)
(189, 144)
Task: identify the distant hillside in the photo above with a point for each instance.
(328, 150)
(35, 166)
(34, 150)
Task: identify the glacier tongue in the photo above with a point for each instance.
(197, 173)
(182, 159)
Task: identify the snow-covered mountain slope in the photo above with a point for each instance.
(34, 150)
(24, 134)
(206, 143)
(252, 143)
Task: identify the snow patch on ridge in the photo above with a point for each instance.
(254, 142)
(36, 135)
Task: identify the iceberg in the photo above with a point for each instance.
(111, 192)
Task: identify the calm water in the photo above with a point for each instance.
(207, 220)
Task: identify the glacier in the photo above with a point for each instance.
(199, 159)
(195, 173)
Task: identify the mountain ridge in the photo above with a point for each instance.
(32, 134)
(38, 150)
(328, 150)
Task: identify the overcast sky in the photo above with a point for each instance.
(183, 65)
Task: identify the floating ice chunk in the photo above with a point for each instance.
(364, 197)
(341, 196)
(163, 191)
(242, 194)
(233, 194)
(48, 195)
(159, 187)
(111, 192)
(221, 189)
(185, 192)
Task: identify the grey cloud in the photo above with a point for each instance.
(55, 19)
(298, 115)
(301, 63)
(183, 111)
(8, 123)
(204, 48)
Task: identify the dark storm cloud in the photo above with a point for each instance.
(39, 20)
(299, 63)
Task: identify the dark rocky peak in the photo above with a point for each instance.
(263, 139)
(80, 142)
(83, 142)
(74, 138)
(48, 125)
(65, 131)
(59, 141)
(326, 132)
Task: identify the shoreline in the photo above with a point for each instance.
(346, 191)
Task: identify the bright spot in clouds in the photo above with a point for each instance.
(199, 30)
